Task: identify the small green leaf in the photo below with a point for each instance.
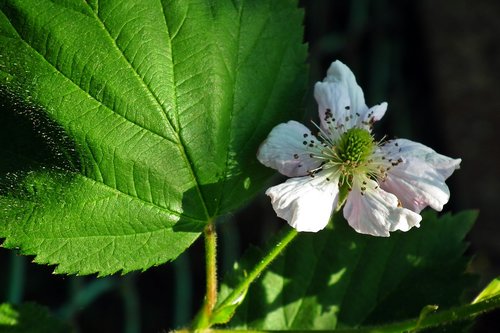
(153, 111)
(491, 290)
(337, 278)
(223, 314)
(29, 318)
(428, 309)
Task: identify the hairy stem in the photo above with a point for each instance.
(211, 267)
(202, 320)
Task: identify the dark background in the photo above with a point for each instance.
(437, 64)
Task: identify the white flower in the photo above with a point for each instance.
(384, 185)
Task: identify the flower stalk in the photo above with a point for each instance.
(238, 294)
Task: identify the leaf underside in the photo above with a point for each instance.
(153, 112)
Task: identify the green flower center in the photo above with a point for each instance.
(355, 146)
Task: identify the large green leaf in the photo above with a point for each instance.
(157, 109)
(338, 278)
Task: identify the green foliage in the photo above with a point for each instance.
(153, 112)
(338, 278)
(29, 318)
(456, 319)
(491, 290)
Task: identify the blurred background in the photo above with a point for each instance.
(437, 64)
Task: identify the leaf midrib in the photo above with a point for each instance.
(179, 143)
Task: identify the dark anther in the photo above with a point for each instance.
(306, 135)
(304, 143)
(296, 156)
(348, 107)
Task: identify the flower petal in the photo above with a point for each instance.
(288, 148)
(333, 99)
(306, 203)
(340, 73)
(376, 212)
(341, 102)
(419, 180)
(375, 113)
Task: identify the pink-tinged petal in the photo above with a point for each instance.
(417, 191)
(376, 212)
(411, 150)
(288, 149)
(306, 203)
(419, 179)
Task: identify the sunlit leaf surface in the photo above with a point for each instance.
(338, 278)
(153, 111)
